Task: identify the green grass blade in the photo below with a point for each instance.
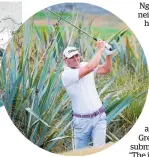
(1, 103)
(119, 108)
(117, 35)
(36, 116)
(59, 135)
(3, 70)
(109, 83)
(13, 91)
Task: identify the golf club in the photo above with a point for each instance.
(109, 47)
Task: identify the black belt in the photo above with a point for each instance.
(101, 110)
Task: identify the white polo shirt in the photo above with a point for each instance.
(82, 92)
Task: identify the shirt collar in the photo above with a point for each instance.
(66, 67)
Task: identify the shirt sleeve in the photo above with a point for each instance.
(70, 76)
(94, 71)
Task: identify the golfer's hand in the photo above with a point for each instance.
(101, 45)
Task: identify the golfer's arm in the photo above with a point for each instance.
(93, 63)
(106, 67)
(103, 69)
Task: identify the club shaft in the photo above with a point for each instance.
(72, 25)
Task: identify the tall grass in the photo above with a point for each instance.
(35, 98)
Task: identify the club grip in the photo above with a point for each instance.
(109, 47)
(95, 39)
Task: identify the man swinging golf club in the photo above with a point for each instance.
(89, 118)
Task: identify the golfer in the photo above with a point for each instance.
(89, 118)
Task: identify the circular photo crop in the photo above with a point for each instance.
(74, 79)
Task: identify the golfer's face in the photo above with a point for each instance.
(73, 62)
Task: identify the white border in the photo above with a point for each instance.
(13, 143)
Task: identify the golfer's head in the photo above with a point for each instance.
(72, 57)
